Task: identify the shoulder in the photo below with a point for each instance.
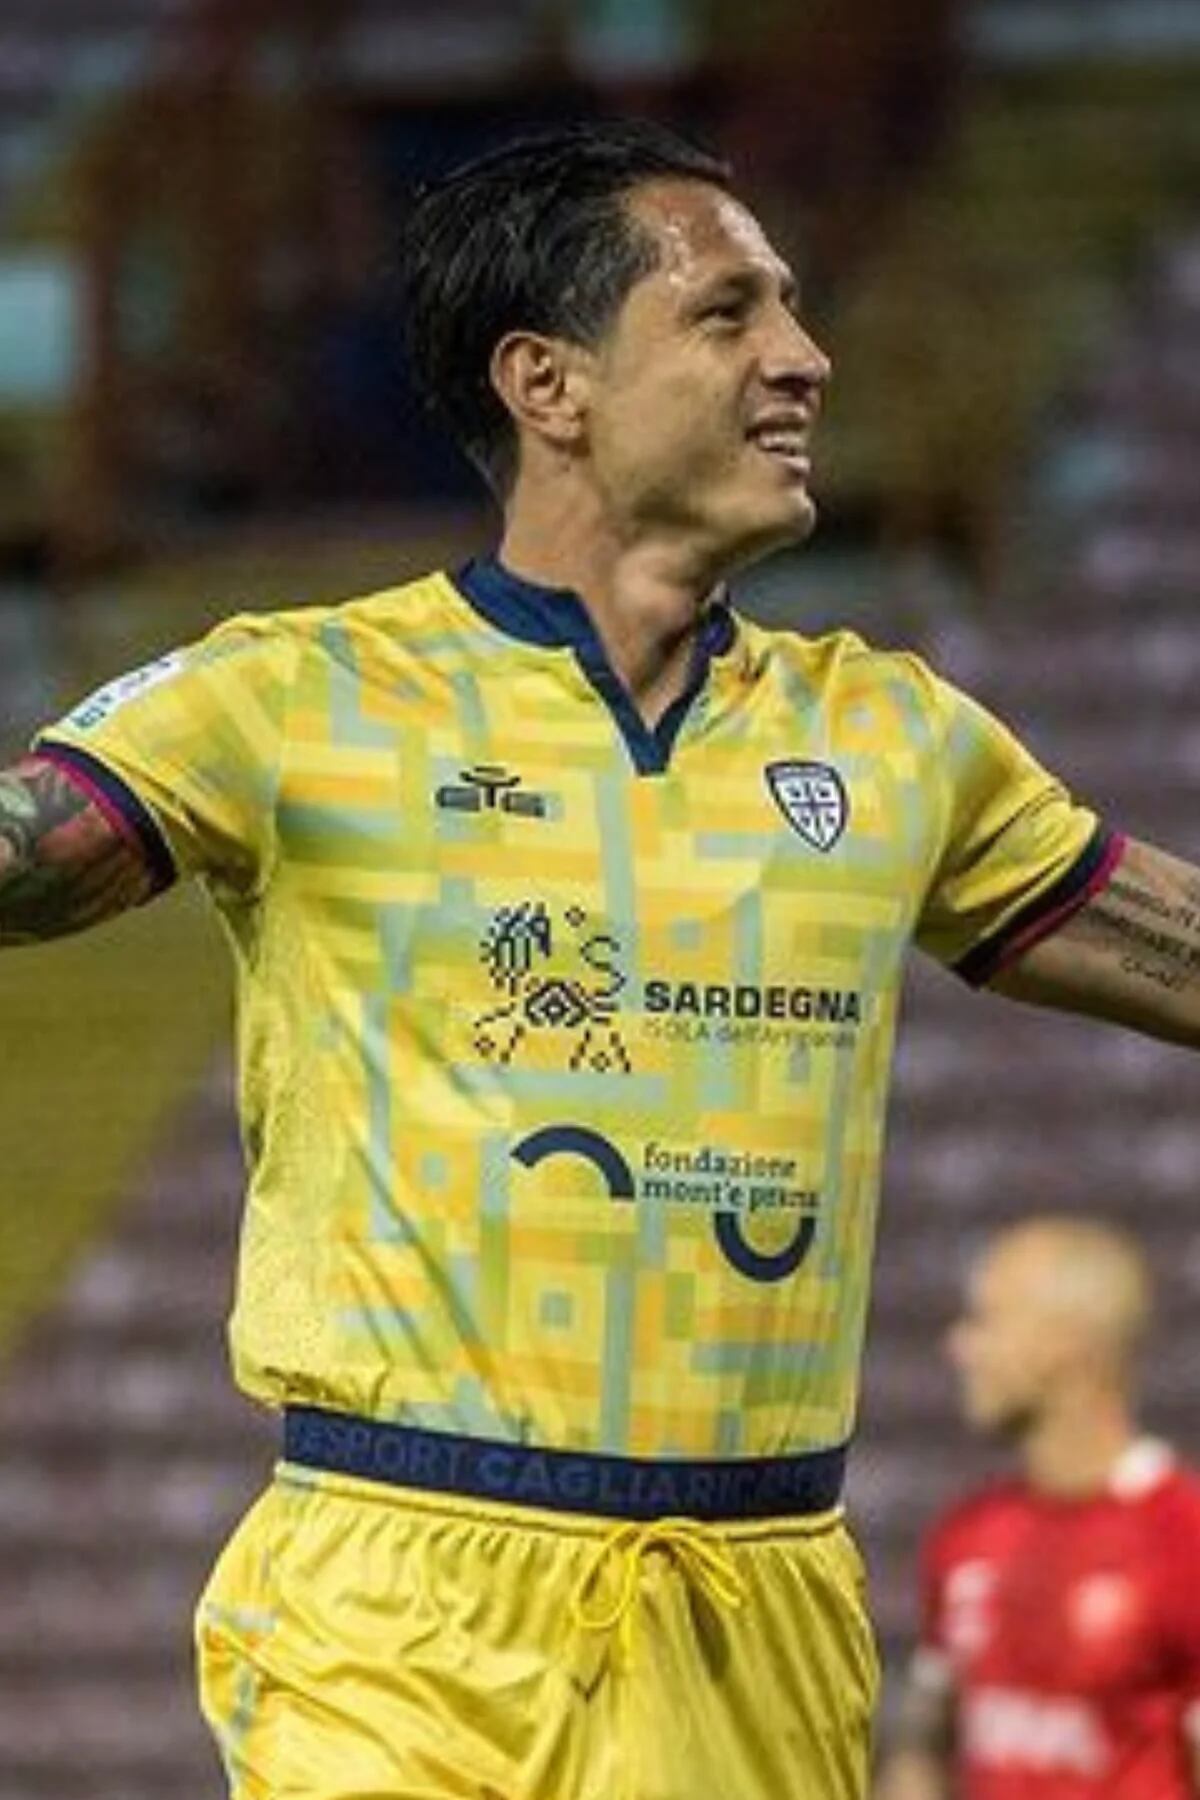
(977, 1522)
(845, 662)
(347, 631)
(1175, 1502)
(409, 605)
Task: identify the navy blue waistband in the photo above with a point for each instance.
(573, 1481)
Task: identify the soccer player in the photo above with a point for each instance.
(1060, 1654)
(570, 911)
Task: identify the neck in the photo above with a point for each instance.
(644, 594)
(1072, 1447)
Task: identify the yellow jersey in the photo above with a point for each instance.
(564, 1042)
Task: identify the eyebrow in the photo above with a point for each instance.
(751, 281)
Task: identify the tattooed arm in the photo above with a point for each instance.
(1131, 954)
(63, 865)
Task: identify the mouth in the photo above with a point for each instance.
(786, 443)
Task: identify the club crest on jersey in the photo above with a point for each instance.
(812, 798)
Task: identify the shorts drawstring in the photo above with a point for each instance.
(700, 1551)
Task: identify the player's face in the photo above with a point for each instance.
(704, 393)
(1004, 1347)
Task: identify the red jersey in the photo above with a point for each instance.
(1069, 1631)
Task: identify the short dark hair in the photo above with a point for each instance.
(532, 235)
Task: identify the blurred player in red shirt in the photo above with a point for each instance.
(1060, 1649)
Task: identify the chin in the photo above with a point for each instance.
(764, 535)
(1008, 1424)
(797, 521)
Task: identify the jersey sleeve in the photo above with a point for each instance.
(1017, 854)
(185, 753)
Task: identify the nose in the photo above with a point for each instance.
(792, 358)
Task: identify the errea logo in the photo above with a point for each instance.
(489, 787)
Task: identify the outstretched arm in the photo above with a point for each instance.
(1131, 954)
(64, 865)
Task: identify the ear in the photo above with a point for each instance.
(541, 381)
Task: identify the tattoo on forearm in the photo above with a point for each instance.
(62, 865)
(1156, 937)
(1185, 913)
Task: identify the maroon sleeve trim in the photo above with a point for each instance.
(1090, 872)
(119, 804)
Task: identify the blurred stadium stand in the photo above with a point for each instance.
(998, 1110)
(998, 244)
(126, 1456)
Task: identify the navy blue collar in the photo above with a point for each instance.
(556, 618)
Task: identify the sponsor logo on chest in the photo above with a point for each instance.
(1005, 1728)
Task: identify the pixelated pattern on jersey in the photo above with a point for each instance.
(566, 1117)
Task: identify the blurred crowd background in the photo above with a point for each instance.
(995, 209)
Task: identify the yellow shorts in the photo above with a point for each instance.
(363, 1642)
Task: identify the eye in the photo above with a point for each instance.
(729, 311)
